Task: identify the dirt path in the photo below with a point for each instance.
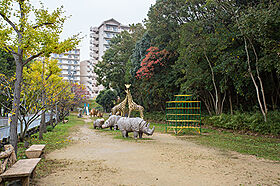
(97, 159)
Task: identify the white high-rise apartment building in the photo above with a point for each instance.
(69, 62)
(99, 42)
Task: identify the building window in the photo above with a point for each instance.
(60, 61)
(115, 29)
(75, 62)
(60, 55)
(108, 28)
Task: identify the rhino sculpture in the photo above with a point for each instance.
(111, 122)
(136, 125)
(98, 123)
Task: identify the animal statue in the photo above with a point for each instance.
(111, 121)
(93, 112)
(136, 125)
(98, 123)
(133, 106)
(119, 108)
(99, 114)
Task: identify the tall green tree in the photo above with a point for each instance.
(139, 52)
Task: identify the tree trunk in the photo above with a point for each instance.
(230, 103)
(56, 115)
(16, 103)
(214, 84)
(254, 81)
(51, 118)
(221, 106)
(259, 77)
(42, 126)
(207, 105)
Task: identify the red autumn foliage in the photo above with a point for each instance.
(154, 59)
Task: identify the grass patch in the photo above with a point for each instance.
(268, 148)
(264, 147)
(56, 139)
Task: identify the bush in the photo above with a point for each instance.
(247, 122)
(106, 99)
(155, 116)
(49, 128)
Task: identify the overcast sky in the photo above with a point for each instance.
(86, 13)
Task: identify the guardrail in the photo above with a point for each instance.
(4, 122)
(5, 131)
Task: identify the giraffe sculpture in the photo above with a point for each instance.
(132, 105)
(120, 107)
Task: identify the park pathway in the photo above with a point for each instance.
(96, 158)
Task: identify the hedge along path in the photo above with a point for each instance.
(98, 159)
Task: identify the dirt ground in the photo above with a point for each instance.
(97, 158)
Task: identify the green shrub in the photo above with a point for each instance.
(155, 116)
(247, 122)
(49, 128)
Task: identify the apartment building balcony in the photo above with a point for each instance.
(93, 55)
(94, 42)
(89, 65)
(89, 88)
(89, 82)
(89, 70)
(93, 29)
(93, 35)
(112, 30)
(66, 73)
(93, 48)
(66, 64)
(73, 52)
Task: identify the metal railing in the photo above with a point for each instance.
(5, 131)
